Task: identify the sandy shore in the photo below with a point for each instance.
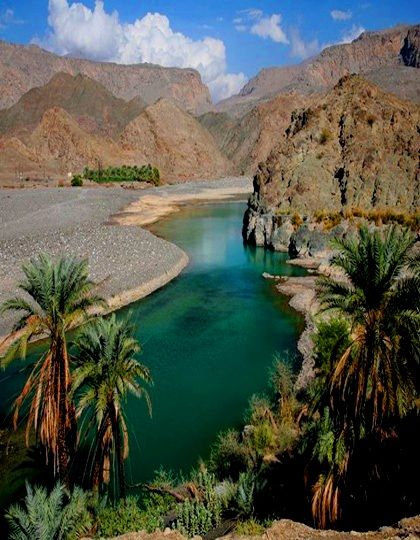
(128, 262)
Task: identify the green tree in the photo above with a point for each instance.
(58, 296)
(106, 372)
(373, 380)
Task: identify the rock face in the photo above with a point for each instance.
(90, 103)
(24, 67)
(175, 142)
(372, 51)
(358, 147)
(249, 140)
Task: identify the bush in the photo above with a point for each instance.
(77, 181)
(57, 515)
(124, 517)
(228, 456)
(296, 220)
(198, 516)
(249, 527)
(325, 136)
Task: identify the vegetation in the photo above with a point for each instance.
(325, 136)
(106, 372)
(331, 219)
(126, 173)
(58, 515)
(58, 296)
(77, 181)
(338, 452)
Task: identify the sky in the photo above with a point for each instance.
(228, 42)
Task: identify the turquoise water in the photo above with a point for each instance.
(209, 338)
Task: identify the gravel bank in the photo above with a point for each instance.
(128, 261)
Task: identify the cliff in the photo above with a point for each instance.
(23, 67)
(357, 147)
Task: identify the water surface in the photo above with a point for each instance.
(209, 338)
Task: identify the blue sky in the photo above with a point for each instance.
(228, 42)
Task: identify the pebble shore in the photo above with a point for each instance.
(128, 262)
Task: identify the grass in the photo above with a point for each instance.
(331, 219)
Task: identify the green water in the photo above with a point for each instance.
(209, 338)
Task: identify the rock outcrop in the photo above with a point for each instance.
(23, 67)
(358, 147)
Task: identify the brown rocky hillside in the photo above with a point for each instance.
(23, 67)
(94, 107)
(250, 139)
(372, 51)
(175, 142)
(357, 148)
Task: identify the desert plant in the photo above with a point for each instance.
(77, 181)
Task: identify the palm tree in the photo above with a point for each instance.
(374, 380)
(107, 371)
(59, 515)
(59, 295)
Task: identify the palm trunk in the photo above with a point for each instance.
(119, 452)
(66, 413)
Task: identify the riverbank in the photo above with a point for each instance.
(128, 262)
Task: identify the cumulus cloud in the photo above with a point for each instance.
(99, 35)
(339, 15)
(265, 26)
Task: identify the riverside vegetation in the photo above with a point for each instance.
(339, 452)
(125, 173)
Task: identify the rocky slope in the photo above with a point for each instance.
(372, 51)
(175, 142)
(249, 140)
(90, 103)
(358, 147)
(73, 122)
(23, 67)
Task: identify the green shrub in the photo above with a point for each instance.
(58, 515)
(126, 516)
(249, 527)
(198, 516)
(77, 181)
(125, 173)
(228, 456)
(244, 500)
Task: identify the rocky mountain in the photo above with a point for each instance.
(358, 147)
(73, 122)
(372, 51)
(174, 141)
(250, 139)
(91, 104)
(23, 67)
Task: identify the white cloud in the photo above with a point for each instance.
(339, 15)
(301, 48)
(227, 85)
(265, 26)
(269, 27)
(96, 34)
(353, 33)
